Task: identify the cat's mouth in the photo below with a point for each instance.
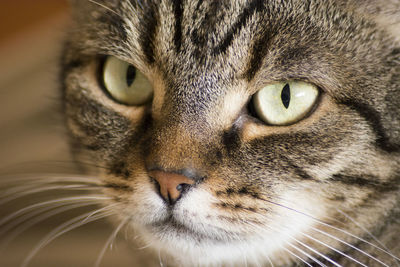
(171, 227)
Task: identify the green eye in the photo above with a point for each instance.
(125, 83)
(285, 103)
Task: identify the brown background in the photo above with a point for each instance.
(20, 15)
(32, 139)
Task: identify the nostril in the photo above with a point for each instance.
(179, 187)
(183, 187)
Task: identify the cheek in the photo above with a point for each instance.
(141, 204)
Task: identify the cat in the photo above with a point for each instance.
(241, 133)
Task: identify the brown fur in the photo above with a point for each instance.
(253, 181)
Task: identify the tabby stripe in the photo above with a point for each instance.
(120, 187)
(254, 6)
(92, 117)
(148, 32)
(370, 182)
(110, 18)
(302, 173)
(259, 50)
(373, 119)
(299, 171)
(178, 13)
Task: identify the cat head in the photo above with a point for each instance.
(232, 132)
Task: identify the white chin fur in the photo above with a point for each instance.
(264, 245)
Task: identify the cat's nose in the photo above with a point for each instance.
(171, 185)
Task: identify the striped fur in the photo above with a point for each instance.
(264, 195)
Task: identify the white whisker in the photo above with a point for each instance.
(270, 262)
(91, 214)
(61, 200)
(332, 248)
(145, 246)
(105, 7)
(50, 178)
(309, 248)
(349, 245)
(296, 256)
(28, 224)
(19, 194)
(359, 239)
(283, 232)
(110, 240)
(160, 259)
(369, 233)
(292, 245)
(63, 228)
(340, 230)
(33, 213)
(307, 255)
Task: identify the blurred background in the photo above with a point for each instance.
(30, 39)
(32, 139)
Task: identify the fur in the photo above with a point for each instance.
(315, 191)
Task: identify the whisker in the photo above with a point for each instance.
(105, 7)
(160, 259)
(296, 256)
(245, 260)
(360, 239)
(17, 189)
(38, 205)
(307, 255)
(49, 178)
(91, 214)
(109, 241)
(349, 245)
(145, 246)
(332, 248)
(308, 247)
(75, 162)
(292, 245)
(316, 252)
(20, 193)
(19, 184)
(63, 228)
(60, 164)
(368, 232)
(28, 224)
(34, 212)
(335, 228)
(270, 262)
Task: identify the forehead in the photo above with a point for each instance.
(255, 41)
(234, 34)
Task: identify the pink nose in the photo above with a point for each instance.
(172, 185)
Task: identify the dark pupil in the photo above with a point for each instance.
(285, 95)
(130, 75)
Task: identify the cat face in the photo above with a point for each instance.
(238, 132)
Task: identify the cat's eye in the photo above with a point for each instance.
(124, 83)
(285, 103)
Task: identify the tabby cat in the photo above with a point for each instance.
(242, 133)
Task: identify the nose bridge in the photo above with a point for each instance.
(175, 146)
(189, 94)
(181, 127)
